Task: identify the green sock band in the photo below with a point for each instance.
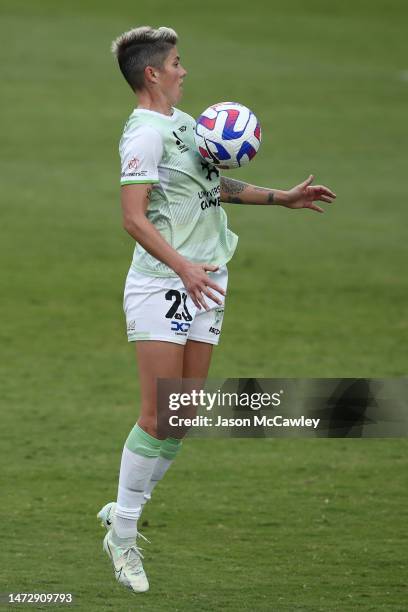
(170, 447)
(142, 443)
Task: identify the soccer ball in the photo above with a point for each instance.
(227, 135)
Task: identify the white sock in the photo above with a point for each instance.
(161, 467)
(135, 474)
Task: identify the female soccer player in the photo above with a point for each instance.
(176, 285)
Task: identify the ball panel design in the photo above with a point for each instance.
(228, 134)
(207, 122)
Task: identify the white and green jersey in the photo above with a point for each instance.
(185, 200)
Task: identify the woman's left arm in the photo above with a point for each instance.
(301, 196)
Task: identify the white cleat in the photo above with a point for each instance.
(106, 515)
(127, 563)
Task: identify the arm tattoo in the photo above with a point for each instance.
(231, 185)
(231, 188)
(270, 193)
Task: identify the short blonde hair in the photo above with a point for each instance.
(142, 47)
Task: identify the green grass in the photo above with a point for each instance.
(271, 525)
(236, 524)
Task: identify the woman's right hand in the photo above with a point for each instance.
(199, 284)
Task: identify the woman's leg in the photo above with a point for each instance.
(196, 362)
(142, 449)
(155, 360)
(145, 458)
(197, 358)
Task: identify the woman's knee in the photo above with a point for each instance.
(149, 424)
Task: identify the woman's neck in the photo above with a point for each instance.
(159, 104)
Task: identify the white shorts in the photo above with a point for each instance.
(159, 308)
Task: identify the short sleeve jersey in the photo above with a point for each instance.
(185, 202)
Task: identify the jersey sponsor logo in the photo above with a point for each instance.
(139, 173)
(209, 198)
(133, 164)
(208, 203)
(180, 144)
(180, 326)
(215, 191)
(214, 330)
(182, 128)
(131, 326)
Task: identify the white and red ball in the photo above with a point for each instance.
(228, 135)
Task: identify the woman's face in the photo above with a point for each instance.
(171, 77)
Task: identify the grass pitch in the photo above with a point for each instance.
(279, 525)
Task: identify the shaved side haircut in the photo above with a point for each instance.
(142, 47)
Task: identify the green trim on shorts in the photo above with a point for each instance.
(139, 336)
(158, 339)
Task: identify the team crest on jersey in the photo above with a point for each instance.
(210, 169)
(133, 164)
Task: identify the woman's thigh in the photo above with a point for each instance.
(196, 363)
(197, 359)
(156, 359)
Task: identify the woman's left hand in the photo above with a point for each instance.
(305, 194)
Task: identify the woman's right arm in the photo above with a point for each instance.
(135, 200)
